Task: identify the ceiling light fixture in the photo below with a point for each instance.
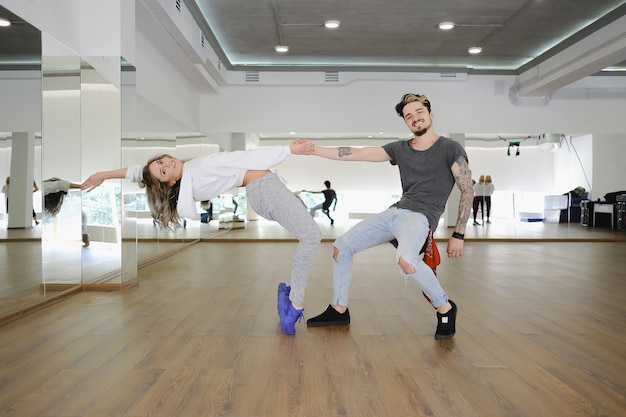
(4, 22)
(446, 25)
(282, 48)
(475, 50)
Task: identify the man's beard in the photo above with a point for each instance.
(421, 131)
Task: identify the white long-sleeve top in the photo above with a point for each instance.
(50, 187)
(208, 176)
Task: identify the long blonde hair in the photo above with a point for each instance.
(162, 198)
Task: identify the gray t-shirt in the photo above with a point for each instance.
(426, 176)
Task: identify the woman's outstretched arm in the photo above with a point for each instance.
(99, 177)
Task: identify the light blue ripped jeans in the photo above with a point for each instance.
(271, 198)
(409, 228)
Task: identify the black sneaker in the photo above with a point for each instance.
(330, 317)
(446, 326)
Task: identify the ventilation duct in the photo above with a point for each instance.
(252, 76)
(331, 77)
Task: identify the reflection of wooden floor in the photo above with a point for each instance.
(20, 251)
(540, 332)
(501, 229)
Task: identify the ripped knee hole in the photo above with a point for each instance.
(406, 267)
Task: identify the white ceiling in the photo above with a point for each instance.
(398, 35)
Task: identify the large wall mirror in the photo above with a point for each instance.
(20, 130)
(100, 140)
(61, 132)
(81, 238)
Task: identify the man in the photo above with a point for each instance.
(330, 196)
(429, 167)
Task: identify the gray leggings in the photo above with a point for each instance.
(270, 198)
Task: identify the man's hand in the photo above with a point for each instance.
(302, 147)
(455, 248)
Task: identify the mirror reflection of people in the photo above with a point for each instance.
(235, 206)
(429, 166)
(174, 186)
(483, 190)
(35, 189)
(5, 191)
(54, 192)
(489, 189)
(479, 201)
(330, 197)
(207, 216)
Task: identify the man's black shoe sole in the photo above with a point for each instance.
(327, 323)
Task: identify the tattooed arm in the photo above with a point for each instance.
(346, 153)
(463, 180)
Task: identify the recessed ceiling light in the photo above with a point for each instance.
(475, 49)
(281, 48)
(332, 24)
(446, 25)
(4, 22)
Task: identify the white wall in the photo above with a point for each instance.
(608, 164)
(573, 163)
(532, 170)
(472, 106)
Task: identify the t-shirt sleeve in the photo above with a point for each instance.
(134, 173)
(455, 150)
(390, 149)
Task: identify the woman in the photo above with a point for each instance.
(489, 189)
(173, 187)
(479, 195)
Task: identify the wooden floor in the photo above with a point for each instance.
(541, 331)
(21, 254)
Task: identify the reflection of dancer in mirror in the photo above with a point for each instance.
(483, 190)
(173, 187)
(479, 194)
(35, 189)
(235, 205)
(54, 191)
(5, 191)
(330, 196)
(489, 189)
(429, 166)
(207, 216)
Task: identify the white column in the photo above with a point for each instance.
(22, 173)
